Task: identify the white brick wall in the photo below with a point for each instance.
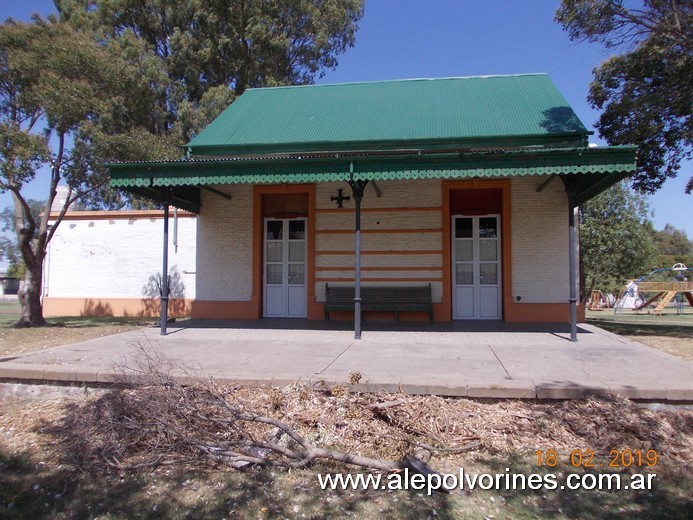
(539, 241)
(225, 252)
(115, 257)
(395, 194)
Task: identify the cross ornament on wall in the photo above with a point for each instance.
(340, 198)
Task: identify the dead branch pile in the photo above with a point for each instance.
(162, 422)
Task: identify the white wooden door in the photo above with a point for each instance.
(476, 269)
(285, 268)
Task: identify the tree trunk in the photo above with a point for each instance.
(30, 298)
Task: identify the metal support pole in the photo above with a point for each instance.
(164, 276)
(357, 187)
(572, 266)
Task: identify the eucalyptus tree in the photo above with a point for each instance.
(67, 104)
(200, 54)
(645, 90)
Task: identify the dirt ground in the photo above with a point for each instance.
(63, 331)
(57, 458)
(679, 347)
(55, 455)
(18, 341)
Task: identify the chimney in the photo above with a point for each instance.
(61, 193)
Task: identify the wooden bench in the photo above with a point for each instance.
(380, 298)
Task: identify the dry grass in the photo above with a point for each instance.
(52, 465)
(63, 331)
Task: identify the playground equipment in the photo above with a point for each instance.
(673, 284)
(599, 301)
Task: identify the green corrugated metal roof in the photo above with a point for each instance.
(507, 110)
(496, 126)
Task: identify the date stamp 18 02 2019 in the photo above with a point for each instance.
(588, 459)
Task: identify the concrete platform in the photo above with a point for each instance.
(468, 359)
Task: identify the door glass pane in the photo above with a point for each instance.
(488, 274)
(297, 251)
(297, 230)
(464, 274)
(463, 228)
(274, 251)
(274, 273)
(488, 250)
(488, 227)
(274, 229)
(296, 273)
(464, 250)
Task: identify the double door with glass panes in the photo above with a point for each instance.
(476, 267)
(285, 268)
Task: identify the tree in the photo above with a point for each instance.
(201, 54)
(66, 103)
(673, 246)
(8, 247)
(645, 92)
(615, 240)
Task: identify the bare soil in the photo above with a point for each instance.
(52, 464)
(18, 341)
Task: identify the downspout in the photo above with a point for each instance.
(175, 229)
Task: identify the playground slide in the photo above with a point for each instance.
(689, 297)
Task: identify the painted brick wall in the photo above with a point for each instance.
(539, 241)
(411, 231)
(117, 257)
(225, 252)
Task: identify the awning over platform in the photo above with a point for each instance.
(596, 169)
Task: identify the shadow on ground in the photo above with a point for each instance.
(368, 325)
(65, 478)
(645, 329)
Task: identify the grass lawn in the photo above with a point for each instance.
(52, 461)
(670, 332)
(62, 331)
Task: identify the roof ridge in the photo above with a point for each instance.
(400, 80)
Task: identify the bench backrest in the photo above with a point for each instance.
(380, 294)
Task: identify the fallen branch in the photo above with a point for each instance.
(165, 422)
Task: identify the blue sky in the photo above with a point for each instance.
(400, 39)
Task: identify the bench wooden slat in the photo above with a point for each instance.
(380, 298)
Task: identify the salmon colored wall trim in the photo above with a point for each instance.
(506, 233)
(218, 310)
(541, 312)
(120, 307)
(416, 268)
(117, 215)
(374, 231)
(390, 252)
(375, 210)
(377, 279)
(521, 313)
(283, 189)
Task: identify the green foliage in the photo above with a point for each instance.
(673, 241)
(57, 81)
(616, 243)
(673, 246)
(198, 55)
(645, 92)
(69, 103)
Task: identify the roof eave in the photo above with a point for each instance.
(572, 139)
